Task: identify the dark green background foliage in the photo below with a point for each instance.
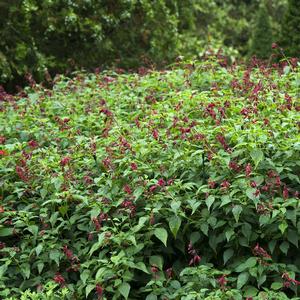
(64, 35)
(262, 34)
(291, 29)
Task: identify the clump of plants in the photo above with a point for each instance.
(178, 184)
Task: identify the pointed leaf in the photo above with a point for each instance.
(161, 234)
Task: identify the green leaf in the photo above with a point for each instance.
(40, 267)
(194, 237)
(250, 192)
(88, 289)
(151, 297)
(251, 262)
(124, 289)
(156, 260)
(229, 233)
(283, 226)
(204, 228)
(55, 255)
(194, 205)
(250, 291)
(272, 245)
(293, 237)
(141, 266)
(33, 229)
(276, 286)
(85, 275)
(43, 193)
(257, 156)
(261, 280)
(97, 245)
(284, 247)
(236, 212)
(209, 201)
(6, 231)
(227, 255)
(38, 249)
(3, 269)
(242, 279)
(225, 200)
(25, 268)
(174, 224)
(161, 234)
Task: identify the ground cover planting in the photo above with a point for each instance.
(176, 184)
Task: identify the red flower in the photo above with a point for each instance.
(133, 166)
(234, 166)
(68, 252)
(225, 185)
(169, 272)
(58, 278)
(222, 281)
(99, 290)
(153, 188)
(253, 184)
(155, 134)
(3, 152)
(274, 46)
(32, 144)
(2, 140)
(248, 170)
(259, 251)
(195, 260)
(65, 161)
(154, 269)
(161, 182)
(211, 184)
(127, 189)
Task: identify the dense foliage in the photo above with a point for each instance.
(291, 29)
(51, 36)
(262, 38)
(179, 184)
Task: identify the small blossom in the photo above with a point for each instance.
(161, 182)
(253, 184)
(3, 152)
(133, 166)
(259, 251)
(99, 290)
(154, 269)
(33, 144)
(153, 188)
(65, 161)
(248, 170)
(127, 189)
(222, 281)
(58, 278)
(211, 184)
(155, 134)
(169, 273)
(225, 185)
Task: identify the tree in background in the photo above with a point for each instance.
(291, 29)
(262, 34)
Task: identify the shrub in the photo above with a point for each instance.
(179, 184)
(262, 34)
(65, 35)
(291, 30)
